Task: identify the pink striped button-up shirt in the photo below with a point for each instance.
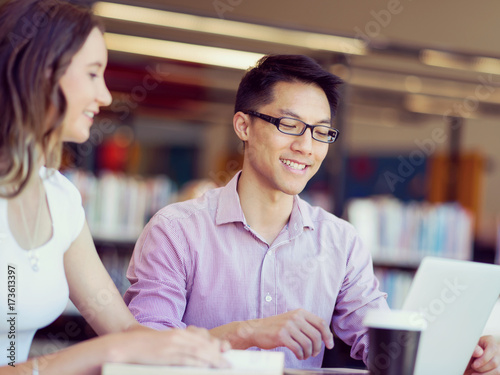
(199, 263)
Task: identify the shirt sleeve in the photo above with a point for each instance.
(69, 205)
(158, 276)
(359, 293)
(77, 211)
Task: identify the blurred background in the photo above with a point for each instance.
(416, 168)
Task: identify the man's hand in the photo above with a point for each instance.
(486, 358)
(299, 330)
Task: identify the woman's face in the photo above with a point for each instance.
(84, 88)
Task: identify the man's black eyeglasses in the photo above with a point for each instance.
(293, 126)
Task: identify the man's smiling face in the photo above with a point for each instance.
(284, 162)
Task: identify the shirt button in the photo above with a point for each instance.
(269, 298)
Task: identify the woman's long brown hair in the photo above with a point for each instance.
(38, 39)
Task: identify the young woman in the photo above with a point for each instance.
(52, 60)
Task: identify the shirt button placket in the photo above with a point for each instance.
(268, 284)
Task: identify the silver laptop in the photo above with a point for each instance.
(456, 298)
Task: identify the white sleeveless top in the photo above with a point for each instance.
(40, 296)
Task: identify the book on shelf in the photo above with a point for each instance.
(117, 264)
(404, 233)
(396, 284)
(117, 206)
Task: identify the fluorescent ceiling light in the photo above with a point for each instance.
(444, 107)
(230, 28)
(181, 51)
(479, 90)
(454, 61)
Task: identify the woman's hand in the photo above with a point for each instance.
(183, 347)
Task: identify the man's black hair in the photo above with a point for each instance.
(257, 86)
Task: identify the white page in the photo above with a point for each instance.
(242, 361)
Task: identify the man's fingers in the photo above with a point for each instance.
(299, 330)
(488, 349)
(293, 344)
(314, 336)
(302, 339)
(322, 327)
(487, 367)
(478, 351)
(487, 356)
(486, 363)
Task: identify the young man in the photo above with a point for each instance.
(252, 261)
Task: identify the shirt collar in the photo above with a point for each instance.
(301, 216)
(229, 208)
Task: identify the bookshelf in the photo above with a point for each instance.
(399, 235)
(117, 206)
(404, 233)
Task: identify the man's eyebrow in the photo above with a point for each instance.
(287, 112)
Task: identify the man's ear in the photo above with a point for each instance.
(241, 124)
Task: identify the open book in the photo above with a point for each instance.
(244, 362)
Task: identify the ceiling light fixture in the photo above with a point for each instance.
(455, 61)
(235, 29)
(181, 51)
